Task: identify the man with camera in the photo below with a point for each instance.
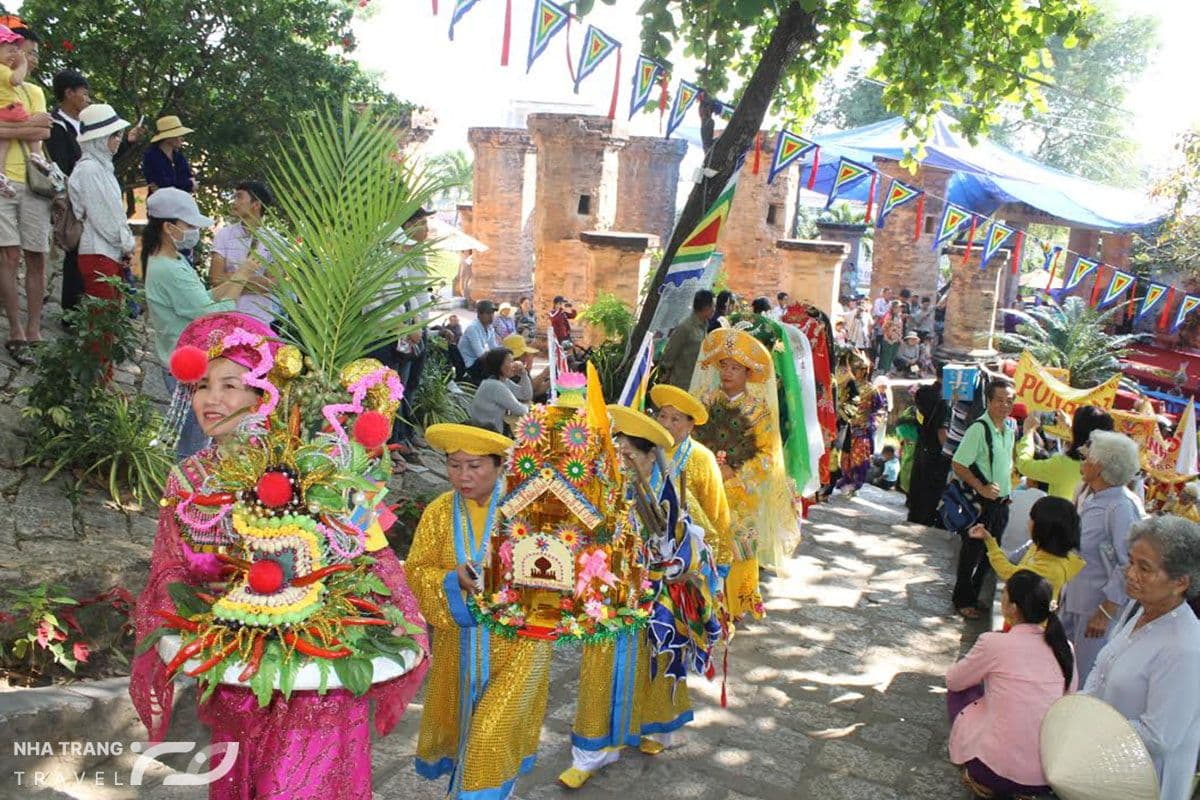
(560, 320)
(983, 462)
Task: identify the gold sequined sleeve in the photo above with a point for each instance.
(707, 485)
(431, 559)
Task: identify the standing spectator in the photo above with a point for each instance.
(782, 301)
(930, 464)
(906, 301)
(174, 291)
(560, 320)
(478, 338)
(1061, 471)
(106, 243)
(682, 351)
(893, 334)
(999, 693)
(233, 245)
(726, 301)
(1107, 511)
(19, 60)
(164, 164)
(879, 310)
(24, 217)
(505, 324)
(859, 327)
(984, 462)
(1150, 670)
(922, 319)
(72, 95)
(761, 306)
(526, 319)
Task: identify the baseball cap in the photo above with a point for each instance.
(485, 307)
(171, 203)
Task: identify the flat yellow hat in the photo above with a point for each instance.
(664, 394)
(454, 438)
(635, 423)
(739, 346)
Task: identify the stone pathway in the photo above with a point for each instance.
(837, 695)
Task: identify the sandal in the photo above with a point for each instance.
(970, 612)
(19, 350)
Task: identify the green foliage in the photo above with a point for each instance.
(77, 420)
(1081, 131)
(610, 316)
(1073, 336)
(239, 73)
(457, 172)
(344, 194)
(852, 102)
(439, 398)
(974, 54)
(44, 628)
(1174, 246)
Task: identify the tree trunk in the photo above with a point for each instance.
(794, 29)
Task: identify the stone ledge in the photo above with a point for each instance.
(813, 246)
(621, 240)
(656, 145)
(500, 137)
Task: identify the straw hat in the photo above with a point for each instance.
(99, 121)
(506, 308)
(516, 344)
(1090, 752)
(664, 394)
(635, 423)
(168, 127)
(454, 438)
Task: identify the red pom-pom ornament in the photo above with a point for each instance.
(372, 429)
(274, 489)
(266, 576)
(188, 364)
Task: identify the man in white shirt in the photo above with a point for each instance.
(782, 301)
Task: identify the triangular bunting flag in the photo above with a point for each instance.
(461, 7)
(898, 194)
(995, 238)
(548, 19)
(1187, 306)
(685, 95)
(1050, 255)
(1155, 292)
(646, 73)
(849, 173)
(701, 243)
(789, 148)
(597, 46)
(1083, 267)
(1116, 287)
(724, 110)
(954, 219)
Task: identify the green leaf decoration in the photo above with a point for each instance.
(263, 682)
(287, 674)
(355, 673)
(149, 640)
(187, 604)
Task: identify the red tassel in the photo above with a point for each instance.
(1096, 286)
(435, 8)
(612, 106)
(812, 172)
(970, 238)
(1053, 271)
(1130, 301)
(1162, 318)
(567, 39)
(725, 676)
(871, 198)
(920, 224)
(662, 98)
(757, 151)
(1018, 254)
(507, 32)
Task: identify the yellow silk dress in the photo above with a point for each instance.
(504, 730)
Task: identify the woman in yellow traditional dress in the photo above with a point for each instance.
(736, 382)
(485, 743)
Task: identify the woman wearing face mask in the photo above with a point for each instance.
(174, 292)
(95, 193)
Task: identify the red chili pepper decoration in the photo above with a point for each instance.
(238, 563)
(307, 648)
(212, 662)
(256, 654)
(318, 574)
(211, 500)
(364, 621)
(176, 621)
(364, 605)
(188, 650)
(206, 597)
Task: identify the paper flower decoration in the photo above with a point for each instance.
(518, 528)
(527, 466)
(575, 470)
(575, 436)
(570, 536)
(531, 430)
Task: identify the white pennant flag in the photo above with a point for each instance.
(1185, 432)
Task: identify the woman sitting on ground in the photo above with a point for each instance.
(1150, 668)
(1051, 549)
(504, 390)
(1001, 690)
(1062, 470)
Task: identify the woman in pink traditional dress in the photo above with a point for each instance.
(308, 746)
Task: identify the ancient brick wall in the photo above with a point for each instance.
(502, 210)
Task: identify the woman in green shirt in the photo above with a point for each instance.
(1060, 471)
(175, 293)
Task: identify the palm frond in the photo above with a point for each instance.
(343, 195)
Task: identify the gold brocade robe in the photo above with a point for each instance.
(706, 489)
(503, 735)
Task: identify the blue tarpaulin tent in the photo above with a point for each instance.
(986, 176)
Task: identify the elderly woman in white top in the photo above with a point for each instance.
(95, 193)
(1150, 668)
(505, 390)
(1107, 510)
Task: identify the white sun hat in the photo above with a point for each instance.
(1090, 752)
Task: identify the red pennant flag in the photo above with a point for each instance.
(612, 106)
(757, 151)
(871, 197)
(435, 8)
(970, 238)
(1096, 286)
(1162, 318)
(1018, 254)
(812, 172)
(920, 217)
(567, 40)
(507, 32)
